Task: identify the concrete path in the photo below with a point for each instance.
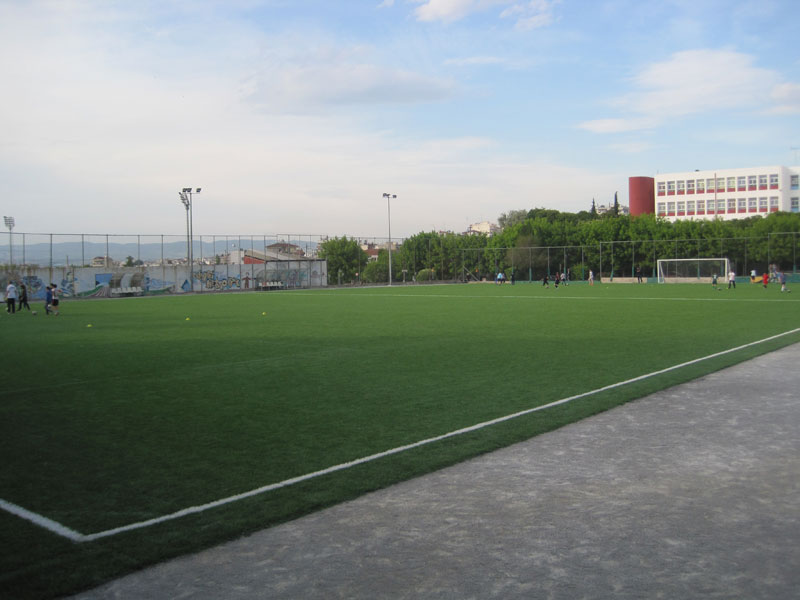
(693, 492)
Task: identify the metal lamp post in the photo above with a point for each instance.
(10, 224)
(389, 208)
(186, 199)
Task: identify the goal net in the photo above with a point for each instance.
(692, 270)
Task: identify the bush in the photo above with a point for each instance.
(426, 275)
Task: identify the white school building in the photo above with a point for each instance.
(721, 193)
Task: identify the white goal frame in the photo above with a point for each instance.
(692, 270)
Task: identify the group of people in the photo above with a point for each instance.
(562, 278)
(15, 296)
(501, 277)
(779, 276)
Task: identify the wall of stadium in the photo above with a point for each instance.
(92, 282)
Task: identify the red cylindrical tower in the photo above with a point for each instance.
(641, 195)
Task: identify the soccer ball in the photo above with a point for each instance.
(33, 312)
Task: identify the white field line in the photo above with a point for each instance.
(42, 521)
(78, 537)
(553, 296)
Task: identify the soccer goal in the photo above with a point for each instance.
(692, 270)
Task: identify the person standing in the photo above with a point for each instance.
(731, 279)
(714, 281)
(765, 279)
(782, 281)
(591, 277)
(23, 297)
(55, 302)
(11, 298)
(639, 273)
(513, 276)
(48, 299)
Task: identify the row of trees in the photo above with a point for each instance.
(545, 241)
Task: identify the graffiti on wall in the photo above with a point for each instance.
(88, 282)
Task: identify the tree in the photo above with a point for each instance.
(593, 211)
(616, 205)
(128, 262)
(343, 255)
(511, 218)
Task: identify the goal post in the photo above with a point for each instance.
(692, 270)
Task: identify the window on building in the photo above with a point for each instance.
(720, 184)
(731, 205)
(661, 187)
(741, 183)
(690, 186)
(710, 186)
(751, 182)
(731, 184)
(773, 181)
(662, 208)
(795, 182)
(752, 204)
(710, 206)
(773, 204)
(762, 182)
(742, 205)
(701, 206)
(681, 187)
(795, 204)
(701, 186)
(720, 206)
(762, 204)
(670, 208)
(681, 208)
(690, 207)
(670, 187)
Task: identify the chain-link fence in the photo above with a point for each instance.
(441, 259)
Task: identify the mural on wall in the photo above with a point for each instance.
(89, 282)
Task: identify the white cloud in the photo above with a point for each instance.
(787, 99)
(696, 82)
(475, 61)
(529, 14)
(619, 125)
(450, 10)
(334, 77)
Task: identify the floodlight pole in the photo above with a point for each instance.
(186, 199)
(9, 221)
(389, 208)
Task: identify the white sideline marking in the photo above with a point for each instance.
(41, 521)
(79, 537)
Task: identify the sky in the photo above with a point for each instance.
(296, 116)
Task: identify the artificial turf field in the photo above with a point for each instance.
(169, 403)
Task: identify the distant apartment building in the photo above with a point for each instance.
(484, 227)
(719, 194)
(607, 208)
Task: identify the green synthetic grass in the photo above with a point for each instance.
(146, 413)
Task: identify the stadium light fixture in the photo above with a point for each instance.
(389, 208)
(9, 221)
(186, 199)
